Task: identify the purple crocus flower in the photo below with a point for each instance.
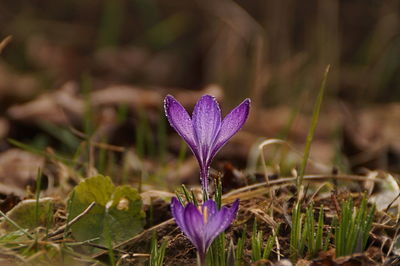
(204, 132)
(204, 223)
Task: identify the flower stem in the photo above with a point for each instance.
(204, 182)
(201, 259)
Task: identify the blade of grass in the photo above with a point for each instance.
(62, 134)
(140, 142)
(125, 169)
(320, 229)
(230, 258)
(194, 198)
(37, 195)
(352, 227)
(182, 153)
(314, 121)
(157, 254)
(16, 225)
(186, 193)
(87, 86)
(162, 137)
(102, 158)
(111, 21)
(45, 154)
(268, 247)
(255, 244)
(122, 112)
(69, 206)
(294, 238)
(218, 192)
(49, 220)
(240, 248)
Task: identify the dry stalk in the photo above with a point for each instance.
(62, 228)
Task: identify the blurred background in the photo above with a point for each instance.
(97, 71)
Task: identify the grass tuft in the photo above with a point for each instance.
(353, 227)
(240, 248)
(259, 251)
(306, 238)
(157, 253)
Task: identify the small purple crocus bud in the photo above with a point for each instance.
(203, 224)
(205, 132)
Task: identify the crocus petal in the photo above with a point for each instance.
(220, 222)
(211, 208)
(195, 226)
(177, 212)
(206, 124)
(180, 120)
(231, 124)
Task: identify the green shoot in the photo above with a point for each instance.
(258, 253)
(194, 198)
(353, 227)
(157, 254)
(218, 192)
(230, 257)
(217, 255)
(186, 193)
(189, 196)
(240, 248)
(307, 236)
(314, 121)
(296, 238)
(314, 232)
(181, 201)
(256, 240)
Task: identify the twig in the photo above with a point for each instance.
(336, 203)
(278, 246)
(316, 193)
(391, 203)
(5, 42)
(307, 177)
(393, 241)
(9, 256)
(62, 228)
(133, 239)
(103, 247)
(100, 145)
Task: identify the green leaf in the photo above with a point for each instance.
(117, 215)
(28, 214)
